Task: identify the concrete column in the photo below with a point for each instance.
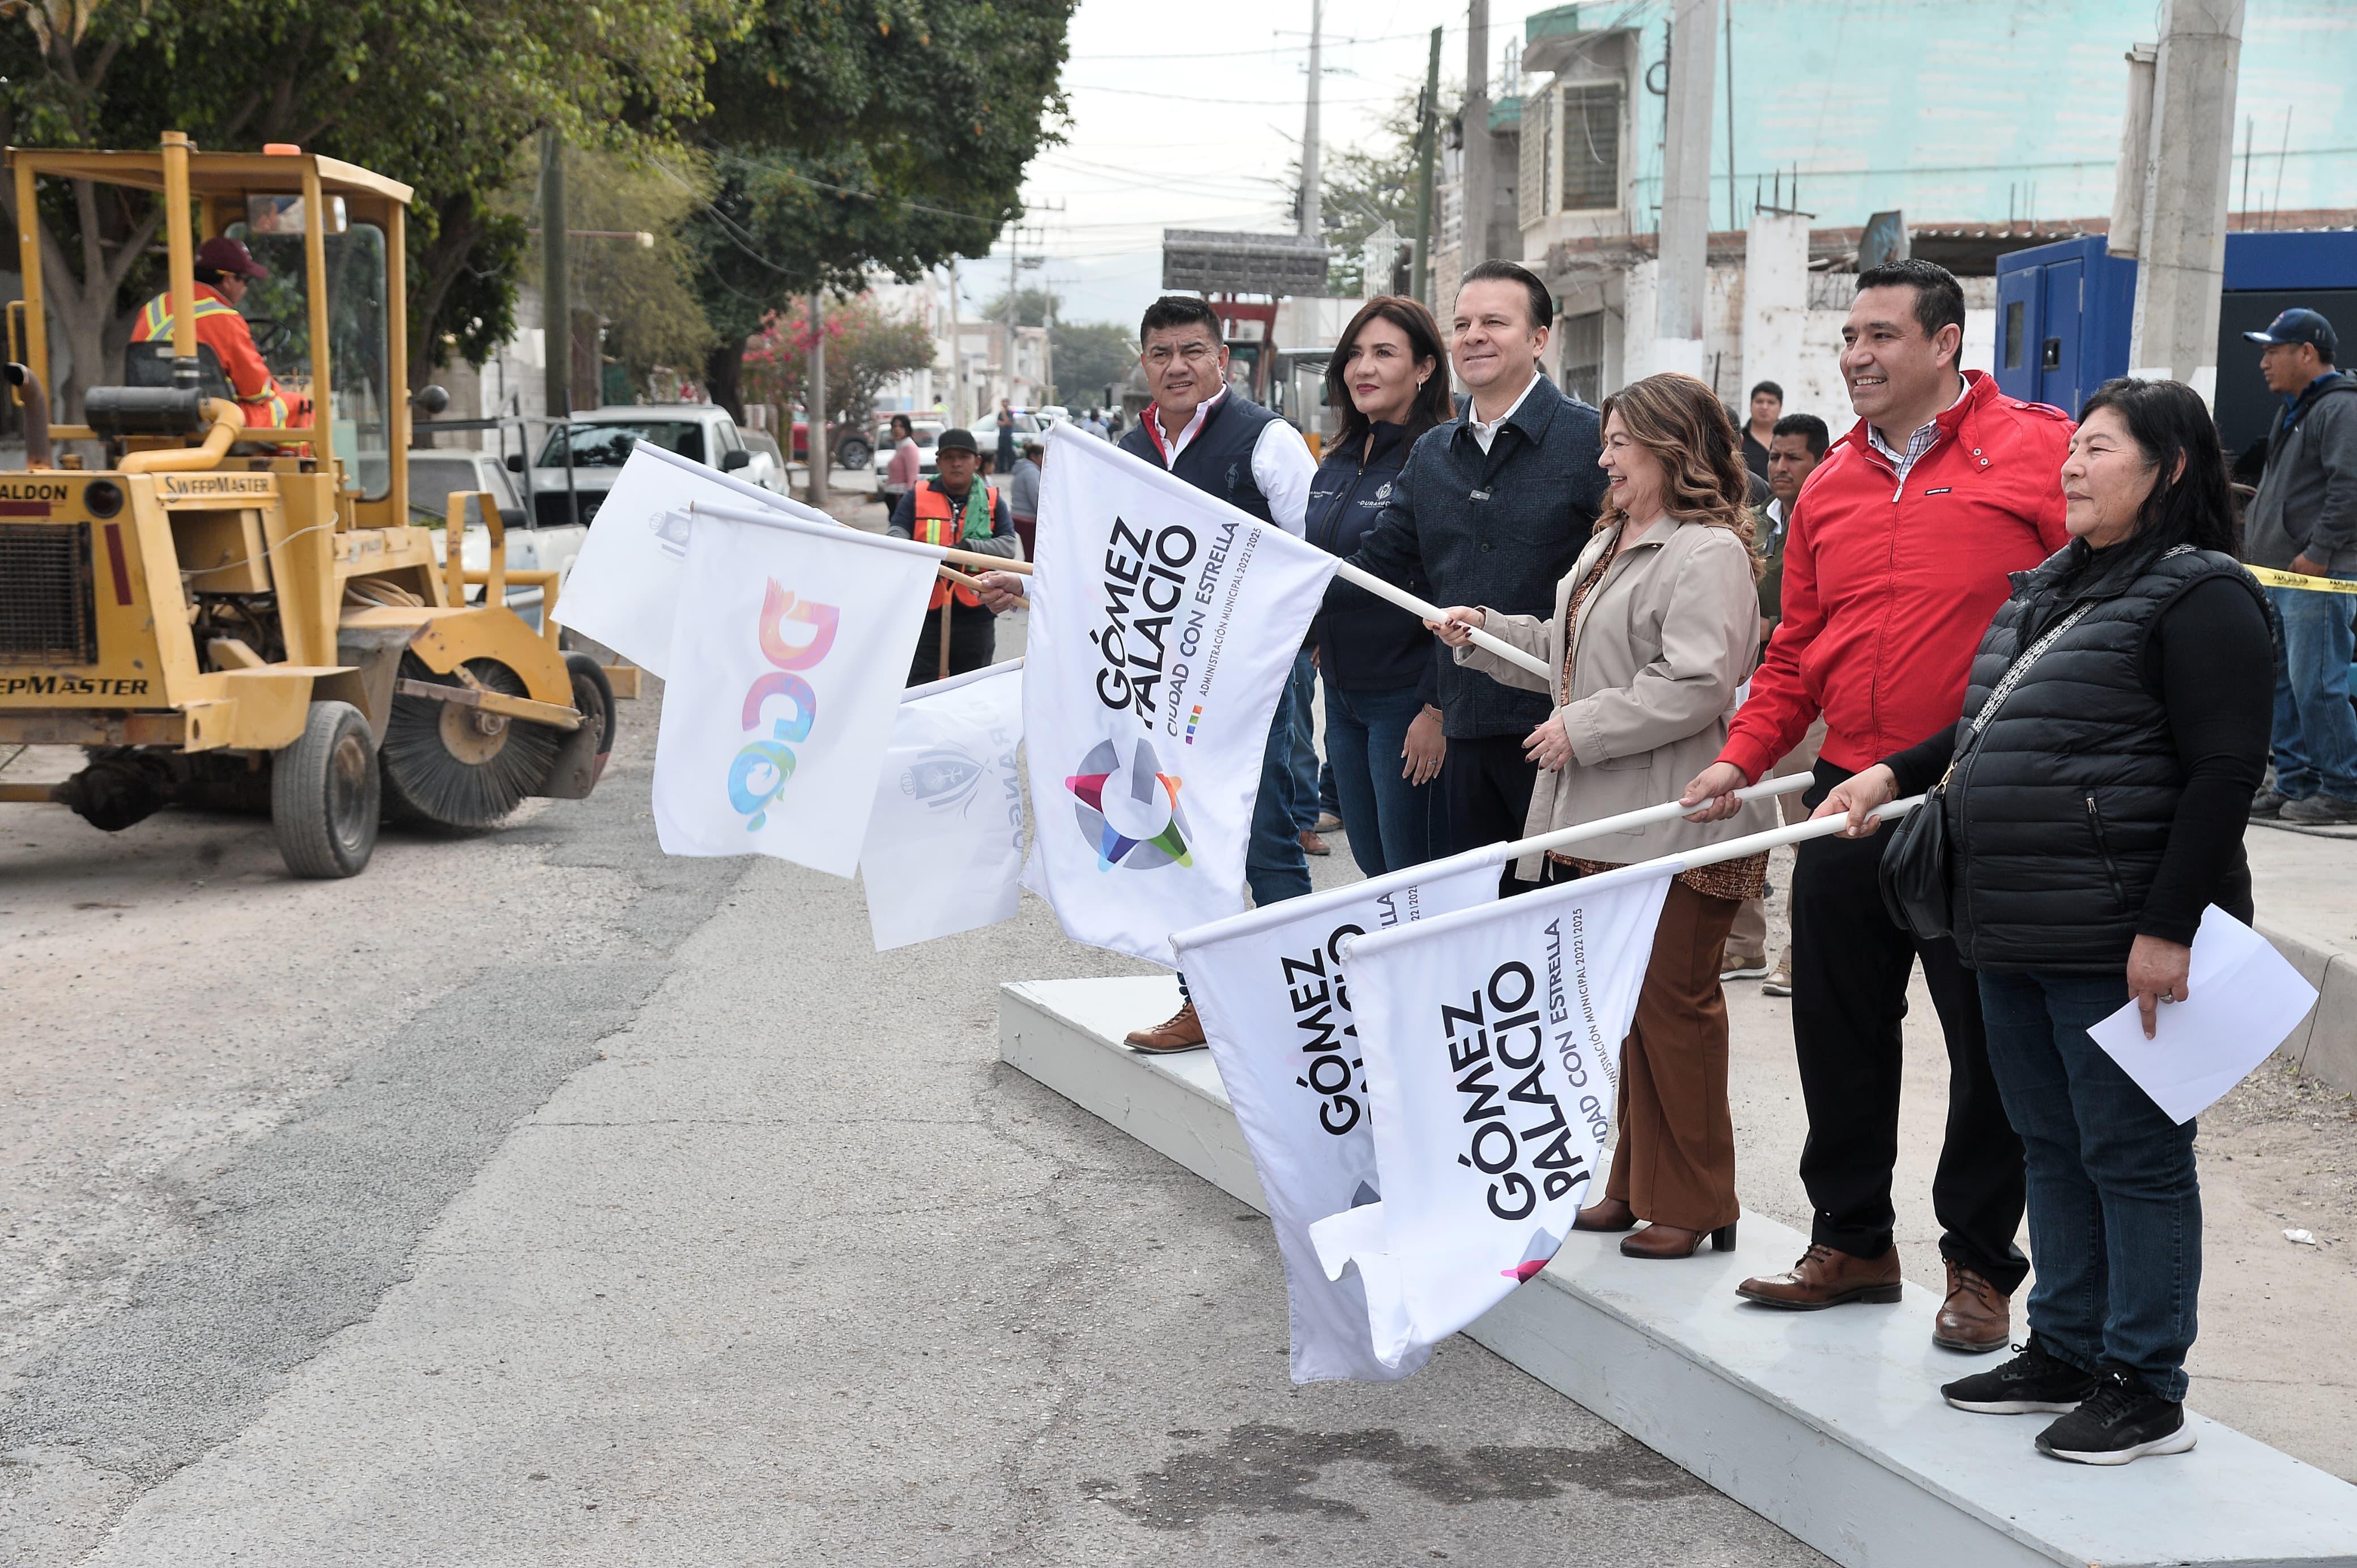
(2181, 255)
(1639, 345)
(1477, 192)
(2134, 176)
(1775, 301)
(1685, 189)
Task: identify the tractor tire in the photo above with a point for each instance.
(593, 694)
(324, 800)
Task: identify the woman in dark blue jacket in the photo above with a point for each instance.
(1390, 378)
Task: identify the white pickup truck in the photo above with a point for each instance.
(435, 473)
(600, 442)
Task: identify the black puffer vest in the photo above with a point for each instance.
(2059, 816)
(1219, 460)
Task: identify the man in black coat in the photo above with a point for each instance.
(1492, 508)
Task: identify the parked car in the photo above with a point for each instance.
(847, 448)
(600, 442)
(435, 473)
(763, 445)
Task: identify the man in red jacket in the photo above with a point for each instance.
(1897, 557)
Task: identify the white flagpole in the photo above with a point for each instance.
(1668, 864)
(1360, 577)
(1488, 854)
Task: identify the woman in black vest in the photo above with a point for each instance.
(2094, 810)
(1389, 378)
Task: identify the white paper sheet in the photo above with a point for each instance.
(2243, 998)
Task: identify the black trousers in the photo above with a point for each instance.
(1485, 787)
(973, 641)
(1850, 967)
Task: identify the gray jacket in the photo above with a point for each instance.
(2307, 502)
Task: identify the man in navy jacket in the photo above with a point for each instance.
(1492, 508)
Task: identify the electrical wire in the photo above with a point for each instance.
(192, 572)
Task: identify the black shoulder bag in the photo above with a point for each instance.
(1917, 888)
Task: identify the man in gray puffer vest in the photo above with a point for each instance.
(2304, 520)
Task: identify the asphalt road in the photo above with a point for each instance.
(536, 1198)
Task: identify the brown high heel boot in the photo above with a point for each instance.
(1606, 1214)
(1671, 1241)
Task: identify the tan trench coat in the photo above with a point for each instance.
(1662, 643)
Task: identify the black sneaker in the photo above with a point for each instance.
(2032, 1381)
(2319, 811)
(2122, 1420)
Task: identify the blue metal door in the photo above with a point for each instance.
(2062, 301)
(2018, 331)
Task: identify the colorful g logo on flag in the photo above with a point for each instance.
(760, 773)
(1130, 812)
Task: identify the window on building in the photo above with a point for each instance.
(1583, 357)
(1591, 145)
(1533, 181)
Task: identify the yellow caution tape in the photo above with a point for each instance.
(2274, 579)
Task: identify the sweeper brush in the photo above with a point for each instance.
(458, 765)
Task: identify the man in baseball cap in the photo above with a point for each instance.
(2304, 519)
(225, 270)
(956, 509)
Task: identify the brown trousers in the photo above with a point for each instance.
(1675, 1161)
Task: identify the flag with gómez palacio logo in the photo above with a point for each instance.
(1163, 626)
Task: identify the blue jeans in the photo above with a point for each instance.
(2316, 729)
(2115, 1206)
(1274, 866)
(1300, 696)
(1390, 821)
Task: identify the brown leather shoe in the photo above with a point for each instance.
(1669, 1242)
(1977, 1318)
(1312, 844)
(1182, 1031)
(1823, 1278)
(1606, 1214)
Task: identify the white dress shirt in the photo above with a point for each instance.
(1282, 466)
(1485, 434)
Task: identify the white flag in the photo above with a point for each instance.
(1278, 1012)
(624, 587)
(945, 845)
(1164, 624)
(1492, 1044)
(787, 662)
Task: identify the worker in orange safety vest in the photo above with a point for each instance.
(954, 511)
(225, 269)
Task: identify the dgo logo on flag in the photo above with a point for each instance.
(761, 772)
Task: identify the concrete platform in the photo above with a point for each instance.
(2303, 880)
(1827, 1423)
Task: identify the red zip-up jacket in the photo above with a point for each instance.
(1889, 587)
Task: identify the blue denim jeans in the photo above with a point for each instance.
(2115, 1206)
(1301, 697)
(1390, 821)
(1274, 866)
(2315, 729)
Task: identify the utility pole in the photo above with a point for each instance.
(957, 356)
(2181, 254)
(1313, 224)
(815, 404)
(1048, 340)
(2130, 181)
(1477, 189)
(1428, 139)
(555, 308)
(1685, 190)
(1007, 354)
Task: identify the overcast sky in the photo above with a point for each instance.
(1187, 116)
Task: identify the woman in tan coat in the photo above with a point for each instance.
(1653, 631)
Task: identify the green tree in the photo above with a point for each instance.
(438, 93)
(847, 134)
(865, 349)
(1365, 185)
(1089, 355)
(633, 269)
